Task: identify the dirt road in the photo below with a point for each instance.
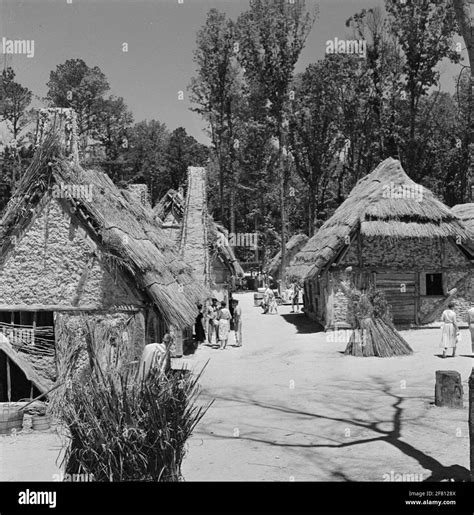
(290, 406)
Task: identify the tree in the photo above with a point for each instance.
(424, 30)
(272, 34)
(110, 127)
(145, 156)
(215, 89)
(182, 151)
(14, 101)
(74, 84)
(314, 135)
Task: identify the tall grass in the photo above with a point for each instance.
(125, 430)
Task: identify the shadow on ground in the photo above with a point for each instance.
(392, 436)
(303, 324)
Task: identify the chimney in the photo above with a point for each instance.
(62, 120)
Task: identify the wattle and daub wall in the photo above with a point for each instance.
(56, 263)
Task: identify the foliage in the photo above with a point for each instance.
(124, 430)
(14, 101)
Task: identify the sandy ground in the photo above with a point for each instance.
(289, 405)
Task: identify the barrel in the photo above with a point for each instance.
(11, 418)
(257, 299)
(40, 422)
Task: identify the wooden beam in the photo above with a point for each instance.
(9, 381)
(42, 307)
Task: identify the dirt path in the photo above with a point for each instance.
(290, 406)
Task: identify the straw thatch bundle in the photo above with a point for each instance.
(125, 231)
(374, 333)
(386, 203)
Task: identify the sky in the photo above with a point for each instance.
(160, 35)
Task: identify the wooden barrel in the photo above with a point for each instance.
(40, 422)
(10, 418)
(257, 299)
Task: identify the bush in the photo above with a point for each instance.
(123, 430)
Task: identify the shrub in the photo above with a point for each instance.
(123, 430)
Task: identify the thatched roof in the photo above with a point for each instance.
(172, 203)
(375, 209)
(218, 239)
(466, 213)
(293, 246)
(172, 206)
(124, 230)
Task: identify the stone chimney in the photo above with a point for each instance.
(63, 121)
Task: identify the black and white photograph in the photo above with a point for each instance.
(237, 248)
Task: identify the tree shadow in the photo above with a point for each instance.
(392, 436)
(303, 324)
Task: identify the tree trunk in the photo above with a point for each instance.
(282, 205)
(311, 211)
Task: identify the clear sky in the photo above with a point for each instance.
(161, 38)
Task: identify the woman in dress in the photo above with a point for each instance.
(224, 325)
(470, 320)
(449, 330)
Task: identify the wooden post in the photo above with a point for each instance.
(448, 389)
(9, 382)
(471, 422)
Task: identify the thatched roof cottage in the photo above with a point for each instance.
(394, 234)
(293, 246)
(202, 242)
(76, 253)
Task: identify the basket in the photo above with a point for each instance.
(11, 418)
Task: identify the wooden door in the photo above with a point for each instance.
(400, 292)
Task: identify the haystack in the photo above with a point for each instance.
(374, 333)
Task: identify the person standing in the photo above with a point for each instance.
(449, 331)
(237, 323)
(295, 301)
(470, 321)
(211, 320)
(267, 294)
(199, 332)
(223, 327)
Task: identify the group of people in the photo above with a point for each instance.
(450, 334)
(215, 322)
(269, 303)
